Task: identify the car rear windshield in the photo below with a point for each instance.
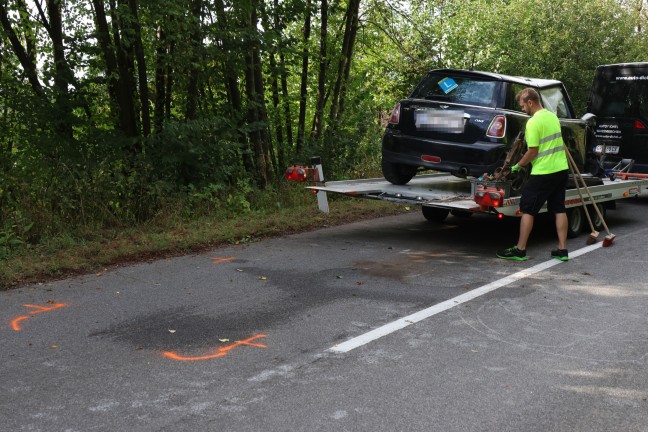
(620, 96)
(457, 89)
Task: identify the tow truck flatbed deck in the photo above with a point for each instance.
(454, 193)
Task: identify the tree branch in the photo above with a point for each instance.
(43, 18)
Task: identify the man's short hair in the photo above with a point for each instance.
(528, 94)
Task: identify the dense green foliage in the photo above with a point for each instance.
(116, 112)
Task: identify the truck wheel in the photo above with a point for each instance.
(398, 174)
(596, 220)
(461, 213)
(575, 219)
(435, 214)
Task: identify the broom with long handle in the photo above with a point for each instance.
(609, 238)
(593, 237)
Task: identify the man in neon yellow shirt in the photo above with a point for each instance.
(549, 173)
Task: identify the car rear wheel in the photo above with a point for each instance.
(398, 174)
(435, 214)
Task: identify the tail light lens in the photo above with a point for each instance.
(296, 173)
(489, 197)
(395, 115)
(495, 198)
(497, 128)
(638, 125)
(430, 159)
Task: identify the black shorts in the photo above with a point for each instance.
(549, 188)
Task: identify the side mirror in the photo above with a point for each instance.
(589, 119)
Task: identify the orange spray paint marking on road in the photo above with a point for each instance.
(15, 323)
(220, 260)
(220, 352)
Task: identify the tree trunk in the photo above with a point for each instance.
(276, 104)
(351, 13)
(347, 63)
(639, 8)
(321, 81)
(141, 69)
(274, 87)
(62, 73)
(108, 52)
(303, 91)
(253, 100)
(194, 60)
(262, 112)
(125, 91)
(230, 74)
(161, 58)
(169, 84)
(232, 84)
(254, 135)
(55, 30)
(284, 79)
(286, 99)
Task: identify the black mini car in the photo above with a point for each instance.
(464, 122)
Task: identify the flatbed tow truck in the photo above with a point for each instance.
(442, 194)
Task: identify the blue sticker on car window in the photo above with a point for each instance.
(447, 85)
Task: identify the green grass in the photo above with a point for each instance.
(92, 249)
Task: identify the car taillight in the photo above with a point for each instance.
(497, 128)
(430, 159)
(638, 124)
(395, 115)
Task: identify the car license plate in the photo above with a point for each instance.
(448, 121)
(608, 149)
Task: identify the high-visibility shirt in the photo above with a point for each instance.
(543, 131)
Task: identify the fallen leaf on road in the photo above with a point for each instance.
(223, 340)
(171, 331)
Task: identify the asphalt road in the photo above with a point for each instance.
(247, 338)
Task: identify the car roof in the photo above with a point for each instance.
(533, 82)
(626, 65)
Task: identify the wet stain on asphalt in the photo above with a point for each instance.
(192, 327)
(184, 329)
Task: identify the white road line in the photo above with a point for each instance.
(386, 329)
